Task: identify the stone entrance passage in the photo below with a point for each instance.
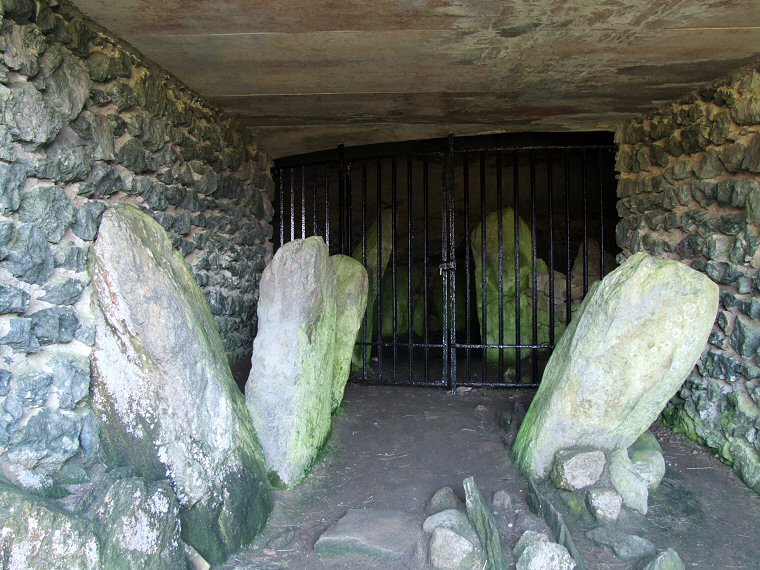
(479, 249)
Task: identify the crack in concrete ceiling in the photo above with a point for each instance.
(309, 74)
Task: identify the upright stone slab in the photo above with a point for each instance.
(488, 263)
(289, 392)
(636, 337)
(162, 388)
(351, 284)
(378, 251)
(485, 525)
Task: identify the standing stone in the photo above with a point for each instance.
(351, 284)
(289, 392)
(635, 339)
(485, 525)
(163, 391)
(378, 254)
(488, 262)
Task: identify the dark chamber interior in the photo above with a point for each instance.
(431, 196)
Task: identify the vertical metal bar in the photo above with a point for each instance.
(378, 320)
(441, 271)
(292, 204)
(500, 277)
(410, 298)
(585, 221)
(341, 199)
(467, 261)
(365, 326)
(349, 209)
(452, 263)
(516, 186)
(568, 262)
(534, 265)
(303, 201)
(484, 271)
(550, 201)
(314, 200)
(425, 199)
(602, 170)
(394, 213)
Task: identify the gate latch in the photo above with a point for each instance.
(446, 266)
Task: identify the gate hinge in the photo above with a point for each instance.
(447, 266)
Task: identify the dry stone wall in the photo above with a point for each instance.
(87, 122)
(689, 189)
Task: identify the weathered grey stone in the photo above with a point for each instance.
(65, 162)
(527, 538)
(54, 325)
(29, 257)
(604, 504)
(20, 337)
(154, 355)
(442, 500)
(67, 85)
(577, 469)
(132, 155)
(543, 555)
(746, 110)
(454, 520)
(485, 525)
(13, 299)
(381, 534)
(289, 392)
(351, 283)
(710, 166)
(48, 208)
(27, 115)
(139, 523)
(70, 380)
(718, 246)
(87, 220)
(751, 160)
(104, 67)
(501, 501)
(12, 177)
(63, 292)
(450, 551)
(23, 47)
(647, 459)
(732, 156)
(666, 560)
(627, 482)
(656, 316)
(70, 256)
(625, 546)
(37, 535)
(745, 338)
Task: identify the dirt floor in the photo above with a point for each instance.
(393, 447)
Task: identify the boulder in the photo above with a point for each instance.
(163, 391)
(37, 535)
(577, 469)
(289, 392)
(378, 252)
(351, 294)
(450, 551)
(647, 459)
(487, 263)
(626, 353)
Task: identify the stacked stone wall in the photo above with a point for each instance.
(689, 189)
(87, 122)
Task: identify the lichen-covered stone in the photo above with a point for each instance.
(289, 392)
(351, 284)
(27, 115)
(652, 315)
(157, 351)
(49, 209)
(37, 535)
(485, 525)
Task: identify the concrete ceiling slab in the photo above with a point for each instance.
(309, 74)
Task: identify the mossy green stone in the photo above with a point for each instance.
(163, 391)
(351, 302)
(634, 340)
(485, 525)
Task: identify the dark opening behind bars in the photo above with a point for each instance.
(427, 328)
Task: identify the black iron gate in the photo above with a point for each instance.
(479, 249)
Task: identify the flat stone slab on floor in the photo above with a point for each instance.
(379, 533)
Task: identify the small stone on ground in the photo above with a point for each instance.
(501, 501)
(666, 560)
(450, 551)
(575, 469)
(625, 546)
(604, 504)
(454, 520)
(442, 500)
(528, 538)
(544, 555)
(382, 534)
